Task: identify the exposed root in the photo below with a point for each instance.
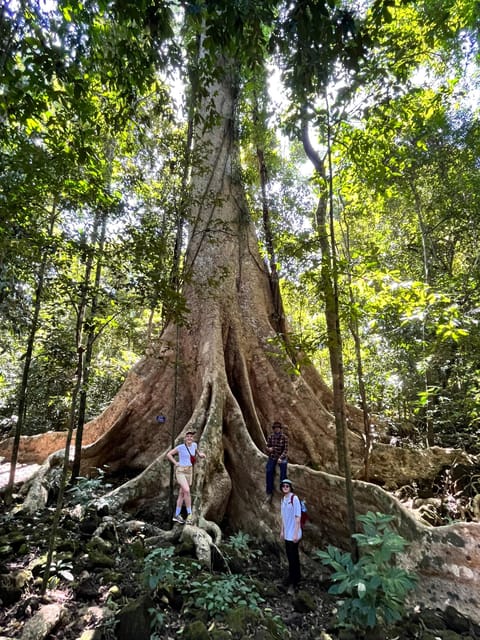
(212, 529)
(202, 542)
(38, 487)
(163, 537)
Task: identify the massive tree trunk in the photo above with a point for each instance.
(233, 379)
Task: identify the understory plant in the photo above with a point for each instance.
(85, 490)
(163, 570)
(241, 545)
(217, 594)
(373, 589)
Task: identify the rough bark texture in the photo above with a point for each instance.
(233, 380)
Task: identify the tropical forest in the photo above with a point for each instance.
(227, 223)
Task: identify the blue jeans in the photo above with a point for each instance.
(270, 472)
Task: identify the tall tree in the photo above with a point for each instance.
(232, 380)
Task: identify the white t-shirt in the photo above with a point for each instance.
(290, 509)
(184, 455)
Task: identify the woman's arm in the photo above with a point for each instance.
(199, 453)
(170, 455)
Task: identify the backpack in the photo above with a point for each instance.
(304, 517)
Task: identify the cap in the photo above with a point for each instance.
(286, 481)
(190, 432)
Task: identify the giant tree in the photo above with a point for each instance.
(222, 369)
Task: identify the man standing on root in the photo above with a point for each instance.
(291, 532)
(277, 449)
(187, 453)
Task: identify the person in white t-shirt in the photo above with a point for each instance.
(187, 454)
(291, 532)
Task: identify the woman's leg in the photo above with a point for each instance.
(184, 478)
(185, 494)
(183, 491)
(179, 500)
(293, 557)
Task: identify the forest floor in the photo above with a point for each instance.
(106, 579)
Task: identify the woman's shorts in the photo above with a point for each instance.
(182, 473)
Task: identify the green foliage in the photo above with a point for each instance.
(202, 590)
(312, 38)
(68, 153)
(157, 623)
(240, 542)
(217, 595)
(60, 568)
(162, 570)
(415, 300)
(373, 589)
(159, 568)
(87, 489)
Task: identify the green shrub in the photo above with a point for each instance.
(374, 590)
(87, 489)
(240, 542)
(157, 623)
(217, 595)
(162, 570)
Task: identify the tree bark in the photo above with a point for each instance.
(232, 381)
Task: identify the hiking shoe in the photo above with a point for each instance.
(188, 519)
(291, 590)
(268, 498)
(178, 519)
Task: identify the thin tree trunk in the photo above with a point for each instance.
(428, 409)
(87, 359)
(355, 332)
(367, 427)
(63, 479)
(329, 276)
(22, 394)
(279, 317)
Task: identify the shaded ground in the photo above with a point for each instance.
(102, 567)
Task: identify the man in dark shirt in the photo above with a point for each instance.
(277, 449)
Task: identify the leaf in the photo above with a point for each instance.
(372, 618)
(68, 575)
